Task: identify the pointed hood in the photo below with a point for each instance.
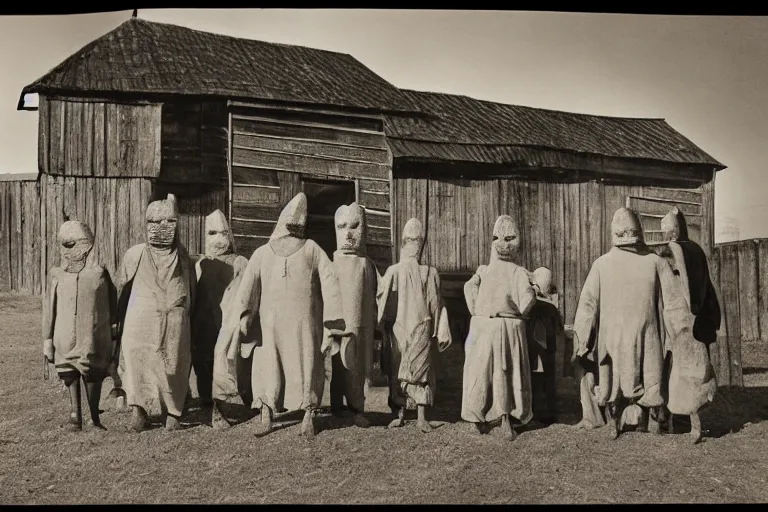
(219, 240)
(351, 229)
(412, 241)
(626, 228)
(506, 239)
(674, 225)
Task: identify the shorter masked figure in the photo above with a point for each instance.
(545, 331)
(289, 291)
(352, 352)
(625, 298)
(689, 376)
(219, 272)
(497, 373)
(414, 325)
(156, 286)
(78, 318)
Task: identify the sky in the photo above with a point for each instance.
(706, 75)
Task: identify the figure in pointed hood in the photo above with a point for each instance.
(497, 374)
(624, 300)
(288, 295)
(414, 324)
(156, 287)
(218, 272)
(78, 317)
(689, 375)
(352, 353)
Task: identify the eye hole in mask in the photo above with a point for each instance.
(69, 244)
(212, 233)
(495, 238)
(509, 238)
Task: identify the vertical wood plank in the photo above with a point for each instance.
(44, 137)
(6, 237)
(730, 351)
(762, 306)
(99, 140)
(749, 312)
(573, 281)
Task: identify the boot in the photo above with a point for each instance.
(172, 422)
(358, 419)
(506, 428)
(613, 419)
(399, 420)
(93, 394)
(76, 412)
(217, 419)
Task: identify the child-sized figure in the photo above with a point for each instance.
(414, 324)
(545, 332)
(78, 319)
(352, 352)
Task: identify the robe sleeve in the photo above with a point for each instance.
(112, 293)
(525, 292)
(440, 327)
(247, 299)
(587, 312)
(471, 289)
(675, 315)
(333, 316)
(49, 307)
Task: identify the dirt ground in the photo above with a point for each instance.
(42, 463)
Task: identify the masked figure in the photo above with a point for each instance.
(352, 353)
(497, 373)
(156, 286)
(78, 318)
(624, 299)
(690, 377)
(289, 284)
(414, 324)
(218, 272)
(545, 331)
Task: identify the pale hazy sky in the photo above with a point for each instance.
(706, 75)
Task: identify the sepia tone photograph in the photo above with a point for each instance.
(383, 256)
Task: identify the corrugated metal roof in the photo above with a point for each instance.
(475, 130)
(140, 56)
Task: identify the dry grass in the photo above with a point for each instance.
(40, 462)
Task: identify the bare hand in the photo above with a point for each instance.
(48, 350)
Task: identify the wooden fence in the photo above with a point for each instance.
(20, 234)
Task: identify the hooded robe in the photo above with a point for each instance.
(219, 272)
(290, 285)
(497, 373)
(690, 377)
(80, 308)
(156, 288)
(624, 296)
(358, 281)
(414, 324)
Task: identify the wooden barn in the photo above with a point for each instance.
(152, 108)
(243, 125)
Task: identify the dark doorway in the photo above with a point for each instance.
(323, 198)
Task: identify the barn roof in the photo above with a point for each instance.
(143, 57)
(466, 129)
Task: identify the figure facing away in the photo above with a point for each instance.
(414, 326)
(218, 274)
(290, 285)
(352, 352)
(497, 371)
(545, 331)
(78, 320)
(156, 287)
(623, 296)
(690, 377)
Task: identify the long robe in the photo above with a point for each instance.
(624, 294)
(358, 281)
(295, 297)
(497, 372)
(78, 315)
(156, 358)
(690, 378)
(219, 279)
(414, 321)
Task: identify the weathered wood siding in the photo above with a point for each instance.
(194, 143)
(79, 137)
(273, 150)
(20, 240)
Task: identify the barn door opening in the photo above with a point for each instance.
(323, 198)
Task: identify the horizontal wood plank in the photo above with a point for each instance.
(245, 245)
(373, 200)
(307, 164)
(262, 229)
(378, 186)
(366, 140)
(338, 122)
(255, 195)
(252, 176)
(256, 212)
(642, 205)
(378, 235)
(304, 147)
